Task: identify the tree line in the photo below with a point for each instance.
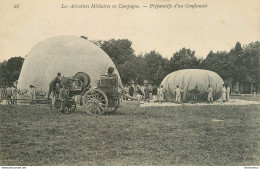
(238, 64)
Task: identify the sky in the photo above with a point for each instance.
(217, 27)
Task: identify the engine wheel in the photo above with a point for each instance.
(70, 104)
(56, 106)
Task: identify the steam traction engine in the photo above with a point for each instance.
(105, 97)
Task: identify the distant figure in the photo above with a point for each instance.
(154, 93)
(194, 95)
(210, 94)
(161, 93)
(146, 93)
(139, 94)
(178, 94)
(139, 91)
(224, 94)
(53, 85)
(14, 94)
(8, 94)
(64, 95)
(32, 93)
(228, 93)
(131, 91)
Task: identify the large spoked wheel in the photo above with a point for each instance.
(70, 104)
(95, 101)
(56, 106)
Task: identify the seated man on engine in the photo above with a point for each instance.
(111, 79)
(110, 73)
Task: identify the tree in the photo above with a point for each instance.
(4, 76)
(252, 60)
(219, 63)
(184, 59)
(132, 70)
(10, 70)
(156, 67)
(121, 50)
(239, 64)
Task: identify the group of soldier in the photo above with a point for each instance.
(225, 93)
(11, 92)
(8, 93)
(159, 94)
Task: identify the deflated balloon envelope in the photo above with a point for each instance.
(188, 79)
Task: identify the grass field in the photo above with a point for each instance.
(183, 135)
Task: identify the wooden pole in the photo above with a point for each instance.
(251, 87)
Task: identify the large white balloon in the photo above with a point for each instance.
(187, 79)
(67, 55)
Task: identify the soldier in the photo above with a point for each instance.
(146, 94)
(53, 85)
(210, 94)
(110, 72)
(64, 95)
(161, 92)
(224, 93)
(178, 94)
(131, 90)
(228, 92)
(9, 94)
(14, 94)
(32, 92)
(154, 93)
(194, 95)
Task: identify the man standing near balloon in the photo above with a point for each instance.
(210, 94)
(53, 85)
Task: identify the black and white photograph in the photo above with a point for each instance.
(129, 83)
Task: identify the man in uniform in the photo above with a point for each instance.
(110, 73)
(52, 85)
(178, 94)
(228, 92)
(14, 94)
(131, 91)
(146, 93)
(210, 94)
(194, 94)
(224, 94)
(161, 92)
(9, 94)
(64, 95)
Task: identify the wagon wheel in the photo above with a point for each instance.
(95, 101)
(70, 104)
(56, 106)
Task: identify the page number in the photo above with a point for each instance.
(16, 6)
